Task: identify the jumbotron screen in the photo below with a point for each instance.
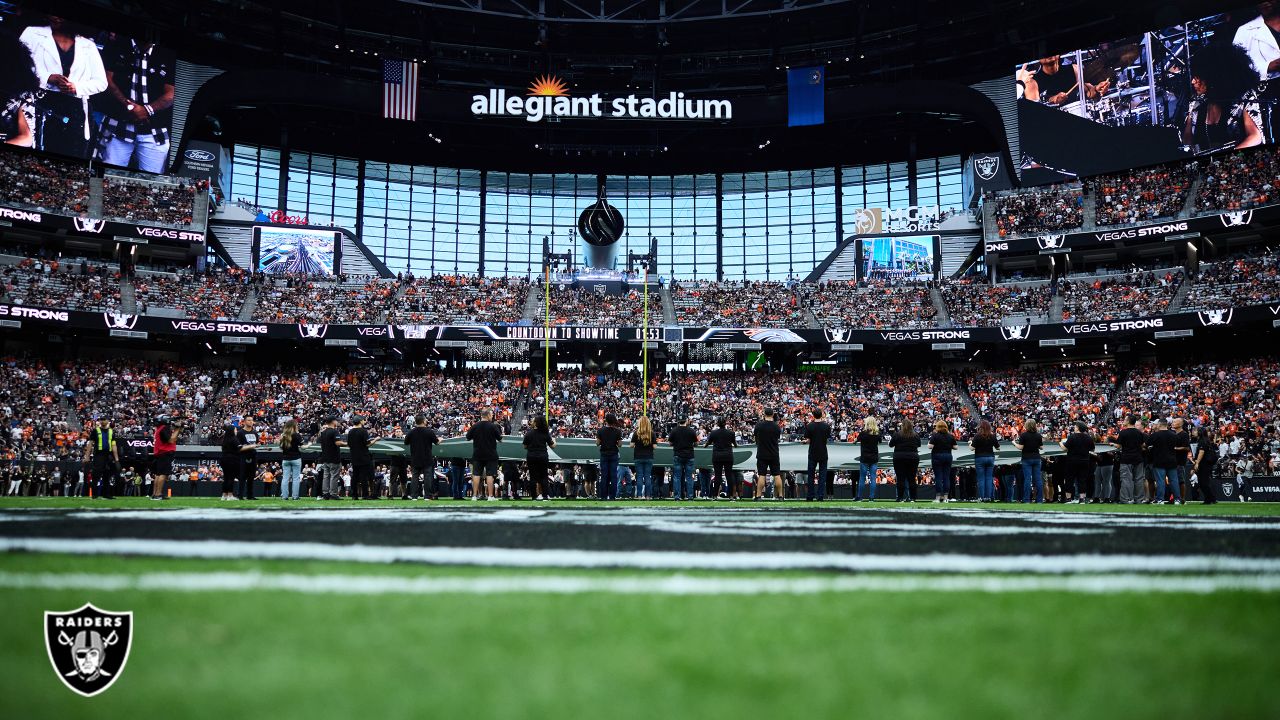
(899, 258)
(113, 105)
(1191, 89)
(289, 251)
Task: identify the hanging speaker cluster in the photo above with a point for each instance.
(600, 224)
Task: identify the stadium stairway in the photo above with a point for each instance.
(1189, 207)
(533, 303)
(1090, 212)
(668, 305)
(1109, 410)
(1055, 308)
(128, 300)
(250, 304)
(1180, 297)
(236, 240)
(73, 422)
(944, 317)
(963, 394)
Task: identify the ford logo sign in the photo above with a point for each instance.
(198, 155)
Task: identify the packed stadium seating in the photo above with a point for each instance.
(737, 304)
(1239, 180)
(1141, 195)
(871, 305)
(322, 300)
(1039, 211)
(444, 299)
(134, 393)
(1237, 397)
(1139, 294)
(51, 283)
(148, 201)
(976, 303)
(44, 183)
(577, 305)
(1233, 282)
(35, 422)
(1054, 396)
(215, 295)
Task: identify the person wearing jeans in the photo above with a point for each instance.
(984, 444)
(869, 441)
(816, 435)
(1030, 442)
(1164, 461)
(291, 464)
(683, 439)
(609, 438)
(941, 443)
(642, 442)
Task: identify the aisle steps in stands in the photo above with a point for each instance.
(956, 250)
(250, 304)
(1180, 297)
(1090, 212)
(943, 318)
(962, 392)
(1189, 207)
(1055, 308)
(843, 267)
(1108, 412)
(73, 421)
(354, 261)
(668, 305)
(533, 303)
(128, 300)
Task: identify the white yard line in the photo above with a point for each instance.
(646, 559)
(670, 585)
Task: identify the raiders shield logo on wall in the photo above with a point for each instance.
(88, 647)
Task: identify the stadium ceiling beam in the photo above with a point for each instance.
(693, 10)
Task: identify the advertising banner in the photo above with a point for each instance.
(1147, 233)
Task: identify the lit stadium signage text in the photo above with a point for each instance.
(548, 99)
(222, 327)
(1084, 329)
(1149, 231)
(927, 335)
(35, 313)
(23, 215)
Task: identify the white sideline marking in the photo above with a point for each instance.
(672, 585)
(646, 559)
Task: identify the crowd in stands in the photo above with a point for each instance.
(44, 183)
(1140, 294)
(445, 299)
(34, 421)
(133, 393)
(1040, 211)
(385, 398)
(1237, 397)
(137, 201)
(976, 303)
(305, 300)
(737, 304)
(579, 305)
(1053, 396)
(1239, 180)
(1233, 282)
(875, 305)
(55, 284)
(216, 295)
(1141, 195)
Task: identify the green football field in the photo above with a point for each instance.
(333, 632)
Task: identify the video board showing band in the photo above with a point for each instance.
(1193, 89)
(85, 93)
(294, 251)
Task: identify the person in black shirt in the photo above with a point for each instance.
(683, 439)
(230, 461)
(868, 459)
(105, 454)
(421, 441)
(1079, 447)
(291, 461)
(722, 441)
(906, 460)
(484, 437)
(609, 439)
(248, 437)
(1131, 442)
(1182, 448)
(330, 459)
(1164, 461)
(1203, 465)
(768, 459)
(642, 440)
(358, 441)
(941, 445)
(984, 444)
(1030, 442)
(537, 443)
(816, 435)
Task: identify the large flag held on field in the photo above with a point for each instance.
(399, 89)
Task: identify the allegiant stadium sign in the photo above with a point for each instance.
(548, 99)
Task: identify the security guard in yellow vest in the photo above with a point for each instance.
(106, 457)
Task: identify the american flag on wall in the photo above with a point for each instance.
(399, 89)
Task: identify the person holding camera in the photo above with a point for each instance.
(164, 445)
